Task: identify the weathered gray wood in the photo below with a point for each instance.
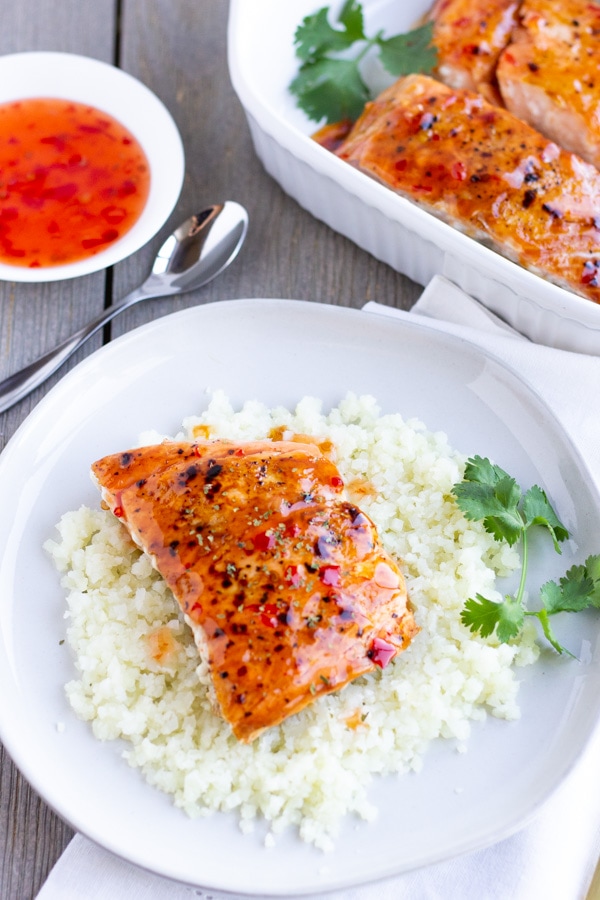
(178, 49)
(288, 253)
(34, 318)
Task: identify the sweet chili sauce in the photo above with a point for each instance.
(73, 180)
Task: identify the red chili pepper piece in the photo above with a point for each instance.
(268, 617)
(330, 575)
(382, 652)
(263, 541)
(293, 575)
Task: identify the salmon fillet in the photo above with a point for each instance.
(469, 36)
(479, 168)
(285, 584)
(549, 75)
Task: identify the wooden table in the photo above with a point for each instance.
(178, 49)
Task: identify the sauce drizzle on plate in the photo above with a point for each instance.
(73, 180)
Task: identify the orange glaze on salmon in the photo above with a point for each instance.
(286, 586)
(550, 75)
(469, 36)
(479, 168)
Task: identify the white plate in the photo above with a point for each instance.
(113, 91)
(262, 64)
(278, 351)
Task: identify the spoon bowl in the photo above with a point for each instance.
(197, 251)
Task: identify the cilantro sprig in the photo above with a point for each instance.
(329, 84)
(490, 495)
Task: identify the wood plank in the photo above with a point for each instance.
(33, 318)
(288, 253)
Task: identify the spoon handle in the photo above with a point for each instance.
(17, 386)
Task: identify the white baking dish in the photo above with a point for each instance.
(262, 64)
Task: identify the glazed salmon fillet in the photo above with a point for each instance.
(469, 36)
(285, 584)
(479, 168)
(549, 76)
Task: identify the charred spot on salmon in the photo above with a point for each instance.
(212, 472)
(528, 198)
(555, 213)
(190, 473)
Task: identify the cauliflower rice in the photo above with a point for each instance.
(315, 768)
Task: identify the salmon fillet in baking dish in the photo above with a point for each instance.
(479, 168)
(549, 75)
(469, 36)
(285, 584)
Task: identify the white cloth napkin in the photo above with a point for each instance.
(555, 856)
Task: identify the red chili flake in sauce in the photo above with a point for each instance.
(73, 180)
(458, 171)
(268, 616)
(382, 652)
(336, 481)
(118, 512)
(293, 576)
(264, 541)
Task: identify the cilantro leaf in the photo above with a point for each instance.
(538, 511)
(351, 17)
(315, 36)
(592, 566)
(485, 616)
(488, 494)
(571, 594)
(329, 84)
(549, 634)
(512, 616)
(480, 614)
(480, 469)
(330, 88)
(411, 52)
(576, 590)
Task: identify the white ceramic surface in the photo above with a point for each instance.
(262, 64)
(86, 80)
(153, 377)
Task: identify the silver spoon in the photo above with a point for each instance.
(199, 250)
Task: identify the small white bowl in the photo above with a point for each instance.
(98, 84)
